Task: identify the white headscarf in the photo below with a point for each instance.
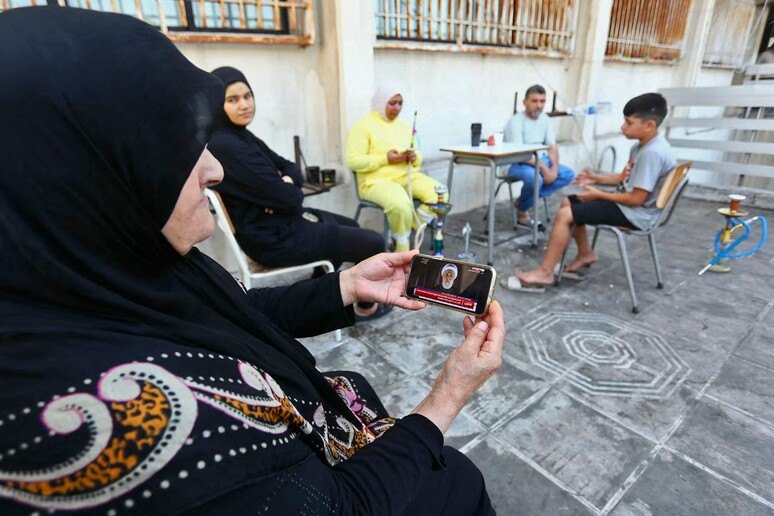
(381, 96)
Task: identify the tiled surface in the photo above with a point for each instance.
(597, 410)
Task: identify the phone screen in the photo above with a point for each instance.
(463, 286)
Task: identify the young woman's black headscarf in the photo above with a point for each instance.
(101, 122)
(229, 75)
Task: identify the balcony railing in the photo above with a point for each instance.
(729, 35)
(482, 26)
(647, 30)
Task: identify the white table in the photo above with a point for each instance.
(496, 156)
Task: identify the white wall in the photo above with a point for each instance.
(318, 91)
(289, 89)
(451, 91)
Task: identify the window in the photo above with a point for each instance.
(539, 26)
(647, 30)
(729, 33)
(250, 21)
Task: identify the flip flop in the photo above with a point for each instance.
(513, 283)
(577, 276)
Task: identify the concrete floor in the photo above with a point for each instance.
(597, 410)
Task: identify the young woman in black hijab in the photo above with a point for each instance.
(136, 376)
(262, 193)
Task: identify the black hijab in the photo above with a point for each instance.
(102, 122)
(229, 76)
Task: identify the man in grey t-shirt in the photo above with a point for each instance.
(534, 126)
(633, 205)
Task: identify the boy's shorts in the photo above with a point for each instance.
(597, 212)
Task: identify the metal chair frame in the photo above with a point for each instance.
(362, 203)
(667, 199)
(509, 181)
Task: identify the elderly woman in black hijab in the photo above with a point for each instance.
(135, 374)
(262, 192)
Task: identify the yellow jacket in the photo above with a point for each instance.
(368, 142)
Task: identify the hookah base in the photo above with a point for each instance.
(720, 267)
(723, 265)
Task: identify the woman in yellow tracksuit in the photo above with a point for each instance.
(378, 149)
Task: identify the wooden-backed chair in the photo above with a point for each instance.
(670, 192)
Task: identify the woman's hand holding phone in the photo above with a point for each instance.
(467, 368)
(379, 279)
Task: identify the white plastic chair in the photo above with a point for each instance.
(250, 270)
(667, 198)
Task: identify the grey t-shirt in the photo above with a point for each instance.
(522, 129)
(648, 167)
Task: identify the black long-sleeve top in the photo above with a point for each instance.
(226, 449)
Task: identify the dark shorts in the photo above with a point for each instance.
(597, 212)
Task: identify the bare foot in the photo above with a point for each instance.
(581, 261)
(535, 277)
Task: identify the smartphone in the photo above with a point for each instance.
(462, 286)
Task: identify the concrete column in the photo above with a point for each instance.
(347, 36)
(355, 38)
(587, 65)
(696, 31)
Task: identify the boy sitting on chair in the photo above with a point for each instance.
(632, 205)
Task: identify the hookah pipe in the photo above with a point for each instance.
(723, 244)
(440, 208)
(420, 233)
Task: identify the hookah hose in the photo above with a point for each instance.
(726, 253)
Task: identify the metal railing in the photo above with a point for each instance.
(239, 21)
(729, 34)
(647, 30)
(544, 26)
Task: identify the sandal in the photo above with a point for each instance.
(572, 275)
